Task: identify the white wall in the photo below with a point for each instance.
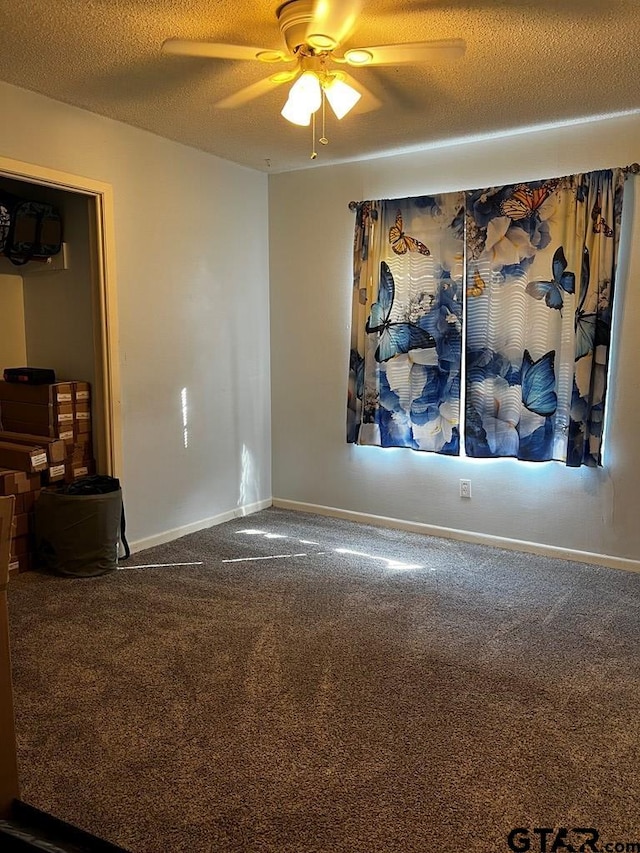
(193, 304)
(192, 277)
(58, 304)
(311, 239)
(13, 341)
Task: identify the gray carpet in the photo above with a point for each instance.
(327, 687)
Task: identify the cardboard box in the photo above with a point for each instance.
(39, 418)
(23, 563)
(22, 457)
(84, 469)
(51, 395)
(83, 423)
(8, 485)
(55, 474)
(20, 546)
(65, 432)
(55, 447)
(82, 447)
(29, 499)
(79, 456)
(81, 391)
(60, 410)
(13, 482)
(21, 525)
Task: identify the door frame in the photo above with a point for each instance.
(9, 783)
(105, 315)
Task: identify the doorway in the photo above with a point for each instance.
(68, 308)
(94, 200)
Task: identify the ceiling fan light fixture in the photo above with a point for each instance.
(341, 96)
(306, 92)
(358, 56)
(296, 113)
(305, 97)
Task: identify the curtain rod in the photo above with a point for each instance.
(631, 169)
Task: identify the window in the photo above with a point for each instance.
(507, 288)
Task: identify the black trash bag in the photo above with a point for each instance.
(79, 527)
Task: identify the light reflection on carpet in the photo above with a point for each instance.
(396, 565)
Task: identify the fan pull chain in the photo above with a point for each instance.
(323, 139)
(314, 153)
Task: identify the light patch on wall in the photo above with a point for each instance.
(185, 417)
(248, 478)
(510, 460)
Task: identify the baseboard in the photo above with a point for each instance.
(465, 535)
(178, 532)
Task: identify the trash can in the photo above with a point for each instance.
(79, 526)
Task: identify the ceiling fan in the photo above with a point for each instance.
(314, 32)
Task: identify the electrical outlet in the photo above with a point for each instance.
(465, 488)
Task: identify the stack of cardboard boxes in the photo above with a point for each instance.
(45, 441)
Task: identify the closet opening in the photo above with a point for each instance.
(61, 314)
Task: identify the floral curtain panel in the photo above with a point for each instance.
(538, 264)
(404, 376)
(541, 265)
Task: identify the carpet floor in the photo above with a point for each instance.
(290, 683)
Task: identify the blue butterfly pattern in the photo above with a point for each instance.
(492, 433)
(554, 242)
(562, 282)
(538, 381)
(395, 337)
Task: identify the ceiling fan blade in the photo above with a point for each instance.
(396, 54)
(486, 6)
(256, 90)
(212, 50)
(332, 22)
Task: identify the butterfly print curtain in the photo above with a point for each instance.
(538, 284)
(406, 344)
(540, 271)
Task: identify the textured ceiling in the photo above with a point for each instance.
(528, 62)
